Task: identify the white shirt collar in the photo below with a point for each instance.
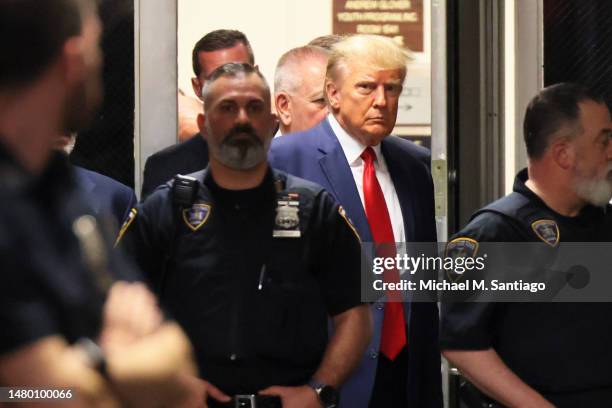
(352, 147)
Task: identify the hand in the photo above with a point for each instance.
(130, 313)
(199, 391)
(188, 110)
(207, 390)
(294, 397)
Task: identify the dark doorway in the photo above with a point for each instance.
(108, 146)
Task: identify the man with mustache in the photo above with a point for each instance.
(216, 48)
(252, 261)
(543, 354)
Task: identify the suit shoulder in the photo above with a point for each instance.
(418, 152)
(170, 152)
(294, 141)
(102, 180)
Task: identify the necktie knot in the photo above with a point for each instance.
(368, 156)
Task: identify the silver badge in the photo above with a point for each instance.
(287, 220)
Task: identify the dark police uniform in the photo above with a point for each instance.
(560, 349)
(252, 275)
(48, 285)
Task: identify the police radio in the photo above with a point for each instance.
(184, 190)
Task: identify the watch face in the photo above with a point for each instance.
(329, 396)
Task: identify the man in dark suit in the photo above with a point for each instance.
(106, 195)
(213, 50)
(385, 185)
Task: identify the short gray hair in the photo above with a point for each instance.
(232, 70)
(285, 75)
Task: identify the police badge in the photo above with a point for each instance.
(547, 231)
(462, 247)
(196, 216)
(287, 220)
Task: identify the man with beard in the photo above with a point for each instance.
(70, 321)
(252, 261)
(543, 354)
(216, 48)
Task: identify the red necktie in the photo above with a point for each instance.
(394, 324)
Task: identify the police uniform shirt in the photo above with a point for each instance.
(45, 288)
(560, 349)
(253, 296)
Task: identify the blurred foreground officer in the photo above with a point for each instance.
(252, 261)
(544, 354)
(385, 185)
(59, 329)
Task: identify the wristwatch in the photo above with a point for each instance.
(95, 356)
(329, 397)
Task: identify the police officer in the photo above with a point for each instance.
(60, 330)
(252, 261)
(543, 354)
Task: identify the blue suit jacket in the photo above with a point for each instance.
(316, 155)
(105, 195)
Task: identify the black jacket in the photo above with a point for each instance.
(182, 158)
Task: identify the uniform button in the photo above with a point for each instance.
(233, 357)
(380, 305)
(373, 354)
(237, 207)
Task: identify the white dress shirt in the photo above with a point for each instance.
(352, 150)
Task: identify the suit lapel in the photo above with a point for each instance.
(400, 172)
(340, 178)
(87, 187)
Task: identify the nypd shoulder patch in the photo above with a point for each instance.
(462, 247)
(547, 231)
(196, 216)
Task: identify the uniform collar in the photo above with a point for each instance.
(245, 198)
(56, 176)
(13, 175)
(520, 187)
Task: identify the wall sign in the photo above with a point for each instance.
(400, 19)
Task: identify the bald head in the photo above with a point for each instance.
(298, 88)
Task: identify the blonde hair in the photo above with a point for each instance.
(373, 51)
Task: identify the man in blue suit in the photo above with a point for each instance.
(384, 184)
(106, 195)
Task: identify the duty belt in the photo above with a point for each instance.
(248, 401)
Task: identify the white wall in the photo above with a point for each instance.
(275, 26)
(155, 103)
(523, 76)
(272, 27)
